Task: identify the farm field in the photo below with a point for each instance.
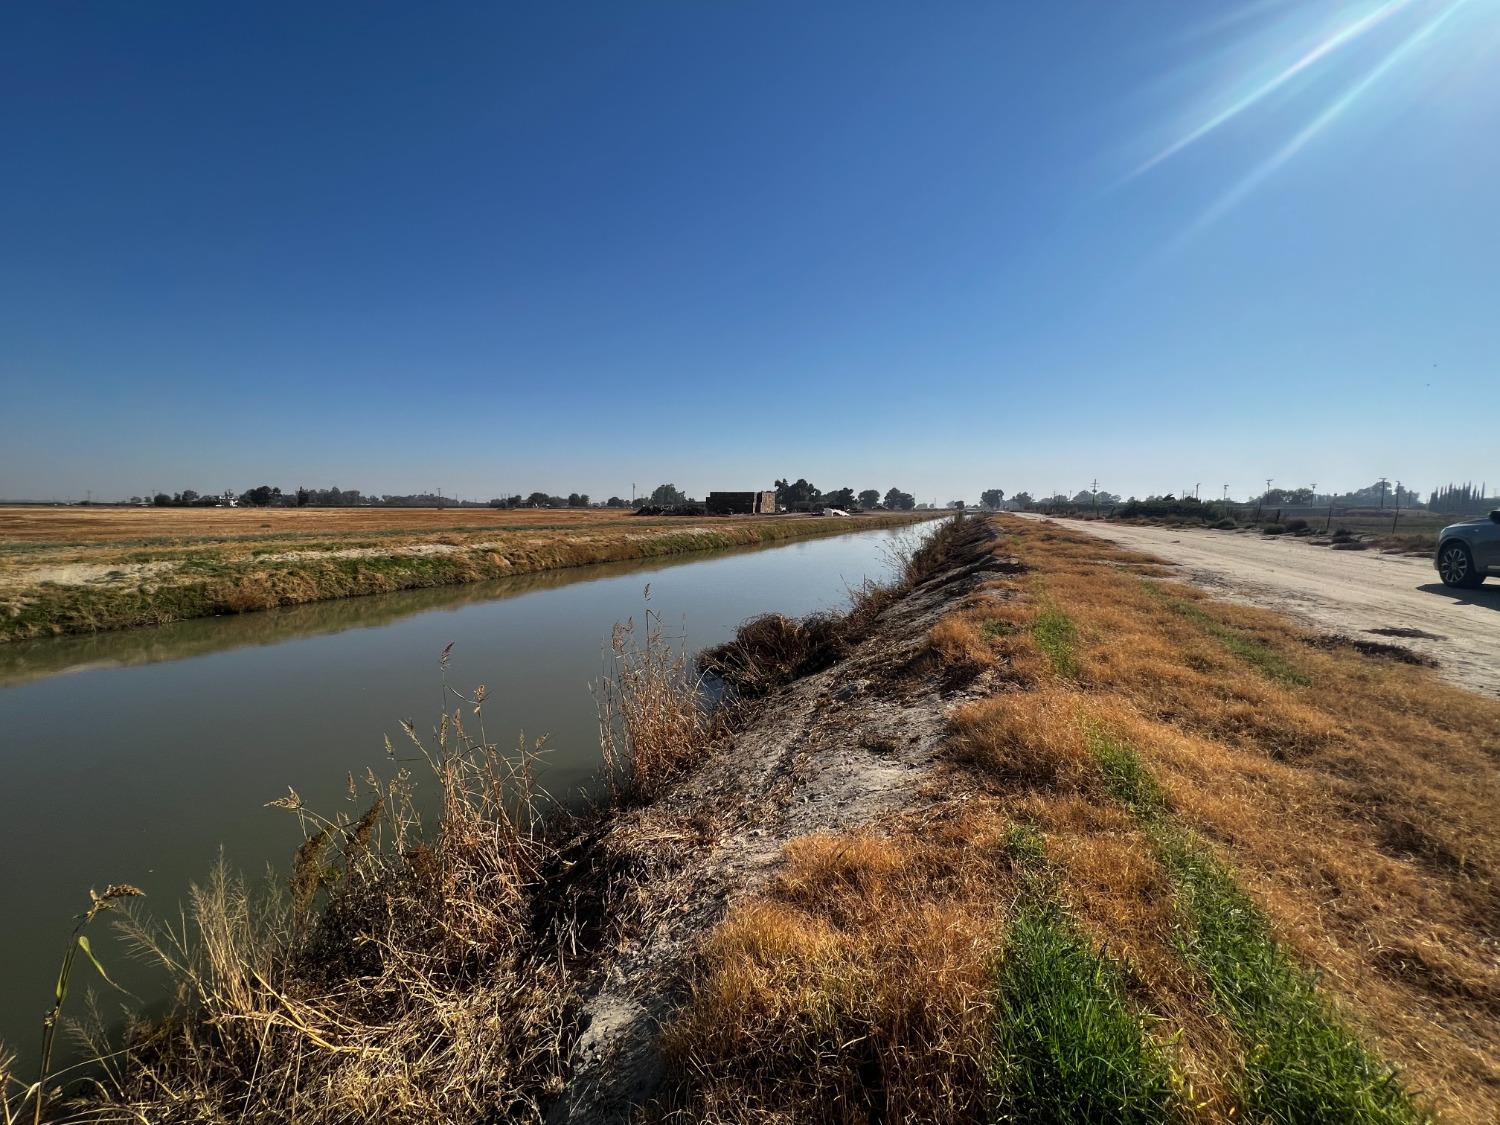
(77, 570)
(78, 526)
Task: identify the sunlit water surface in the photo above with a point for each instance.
(136, 756)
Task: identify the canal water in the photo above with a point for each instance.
(137, 756)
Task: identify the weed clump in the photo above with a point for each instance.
(403, 976)
(654, 718)
(1029, 737)
(771, 650)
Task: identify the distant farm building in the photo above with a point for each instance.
(741, 503)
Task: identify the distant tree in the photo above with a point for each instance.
(1023, 499)
(869, 498)
(616, 502)
(839, 498)
(303, 496)
(666, 495)
(802, 492)
(955, 503)
(900, 501)
(136, 500)
(187, 496)
(992, 498)
(1277, 496)
(538, 500)
(161, 500)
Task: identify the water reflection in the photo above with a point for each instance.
(160, 746)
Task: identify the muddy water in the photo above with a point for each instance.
(136, 756)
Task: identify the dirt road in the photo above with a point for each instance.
(1360, 594)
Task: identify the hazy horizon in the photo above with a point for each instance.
(502, 249)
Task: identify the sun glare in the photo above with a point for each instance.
(1408, 26)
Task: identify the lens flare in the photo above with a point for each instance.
(1332, 113)
(1311, 58)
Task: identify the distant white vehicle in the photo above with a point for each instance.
(834, 512)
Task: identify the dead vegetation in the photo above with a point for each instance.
(402, 975)
(1271, 862)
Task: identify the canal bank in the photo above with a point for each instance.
(158, 747)
(91, 585)
(509, 966)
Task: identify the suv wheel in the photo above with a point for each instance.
(1456, 567)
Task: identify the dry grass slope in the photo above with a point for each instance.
(1275, 861)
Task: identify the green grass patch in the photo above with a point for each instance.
(995, 631)
(1024, 845)
(1251, 650)
(1057, 636)
(1070, 1047)
(1302, 1063)
(1129, 782)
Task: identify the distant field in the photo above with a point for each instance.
(79, 526)
(86, 570)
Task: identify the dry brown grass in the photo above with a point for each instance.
(857, 990)
(654, 719)
(404, 976)
(1353, 794)
(104, 525)
(1027, 738)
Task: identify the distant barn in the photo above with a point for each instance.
(741, 503)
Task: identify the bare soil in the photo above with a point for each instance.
(1359, 595)
(845, 747)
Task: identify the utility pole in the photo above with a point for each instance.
(1196, 487)
(1094, 491)
(1267, 498)
(1382, 493)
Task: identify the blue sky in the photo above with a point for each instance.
(501, 247)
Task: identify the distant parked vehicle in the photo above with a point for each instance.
(1468, 551)
(834, 512)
